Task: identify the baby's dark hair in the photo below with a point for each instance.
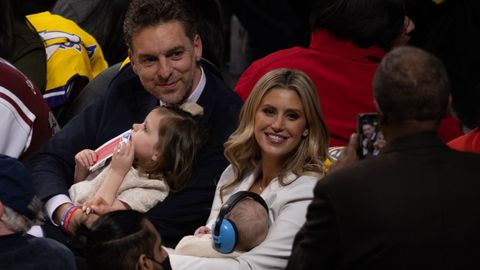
(181, 137)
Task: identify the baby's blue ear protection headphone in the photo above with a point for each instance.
(224, 232)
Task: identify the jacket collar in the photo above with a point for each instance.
(414, 141)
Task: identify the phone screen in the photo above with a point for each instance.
(370, 138)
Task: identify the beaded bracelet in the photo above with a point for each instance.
(62, 221)
(67, 215)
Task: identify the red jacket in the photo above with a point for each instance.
(341, 71)
(469, 142)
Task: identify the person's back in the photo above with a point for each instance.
(416, 205)
(19, 211)
(412, 208)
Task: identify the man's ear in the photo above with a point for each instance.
(144, 263)
(197, 47)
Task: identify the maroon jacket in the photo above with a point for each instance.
(27, 107)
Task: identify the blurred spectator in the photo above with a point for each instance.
(272, 25)
(102, 19)
(35, 6)
(210, 28)
(19, 210)
(123, 239)
(24, 116)
(57, 55)
(73, 58)
(469, 142)
(20, 44)
(451, 31)
(349, 38)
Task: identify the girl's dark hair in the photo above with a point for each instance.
(180, 139)
(365, 22)
(116, 240)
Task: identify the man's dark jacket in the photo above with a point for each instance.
(416, 206)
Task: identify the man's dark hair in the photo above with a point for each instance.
(411, 84)
(116, 240)
(364, 22)
(145, 13)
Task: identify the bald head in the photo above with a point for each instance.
(411, 84)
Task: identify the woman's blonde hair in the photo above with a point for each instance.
(242, 150)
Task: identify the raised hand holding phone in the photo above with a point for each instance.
(370, 138)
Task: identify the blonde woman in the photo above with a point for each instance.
(278, 152)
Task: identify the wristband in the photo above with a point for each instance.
(62, 221)
(67, 217)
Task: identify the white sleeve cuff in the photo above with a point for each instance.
(53, 203)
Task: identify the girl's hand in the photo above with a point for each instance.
(122, 158)
(83, 161)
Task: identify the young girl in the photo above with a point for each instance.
(157, 158)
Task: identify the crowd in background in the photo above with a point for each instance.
(218, 103)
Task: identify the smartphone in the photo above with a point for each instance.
(370, 138)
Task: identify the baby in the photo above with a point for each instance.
(251, 221)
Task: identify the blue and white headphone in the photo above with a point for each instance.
(224, 232)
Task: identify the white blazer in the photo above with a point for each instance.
(287, 205)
